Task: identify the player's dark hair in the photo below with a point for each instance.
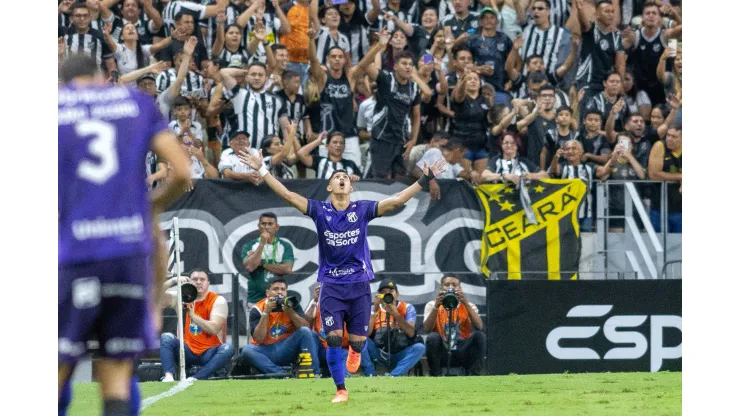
(613, 73)
(78, 5)
(647, 6)
(594, 111)
(630, 116)
(277, 279)
(180, 101)
(454, 143)
(328, 52)
(338, 171)
(78, 65)
(436, 13)
(267, 142)
(269, 214)
(226, 29)
(676, 126)
(326, 8)
(547, 3)
(600, 2)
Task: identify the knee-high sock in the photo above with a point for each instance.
(334, 359)
(135, 396)
(65, 398)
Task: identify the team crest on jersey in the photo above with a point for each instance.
(195, 329)
(604, 44)
(351, 217)
(656, 47)
(277, 330)
(500, 47)
(141, 30)
(329, 321)
(328, 218)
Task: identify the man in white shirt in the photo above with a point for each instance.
(231, 167)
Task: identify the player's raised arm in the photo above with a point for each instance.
(395, 201)
(254, 161)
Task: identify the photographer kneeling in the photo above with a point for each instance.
(279, 331)
(392, 329)
(205, 330)
(468, 347)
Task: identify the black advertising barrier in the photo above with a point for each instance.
(540, 327)
(417, 241)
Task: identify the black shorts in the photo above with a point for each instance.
(387, 159)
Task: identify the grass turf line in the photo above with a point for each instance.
(571, 394)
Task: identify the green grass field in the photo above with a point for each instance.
(569, 394)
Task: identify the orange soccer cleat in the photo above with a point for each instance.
(342, 396)
(353, 360)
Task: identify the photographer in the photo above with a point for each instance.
(205, 330)
(468, 347)
(393, 333)
(279, 331)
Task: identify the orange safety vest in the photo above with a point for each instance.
(459, 315)
(197, 339)
(319, 328)
(380, 316)
(279, 326)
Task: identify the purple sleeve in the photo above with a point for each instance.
(368, 209)
(314, 207)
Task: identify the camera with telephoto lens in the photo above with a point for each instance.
(388, 298)
(189, 292)
(450, 300)
(289, 301)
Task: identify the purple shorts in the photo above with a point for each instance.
(345, 303)
(108, 301)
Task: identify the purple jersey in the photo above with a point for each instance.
(344, 255)
(104, 135)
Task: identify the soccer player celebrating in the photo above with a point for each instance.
(345, 270)
(105, 226)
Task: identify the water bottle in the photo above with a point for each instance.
(305, 365)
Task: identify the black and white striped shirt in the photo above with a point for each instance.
(238, 59)
(281, 171)
(559, 13)
(144, 27)
(598, 56)
(514, 166)
(211, 25)
(258, 113)
(170, 11)
(325, 167)
(91, 44)
(296, 111)
(584, 172)
(324, 42)
(552, 44)
(359, 41)
(405, 15)
(192, 86)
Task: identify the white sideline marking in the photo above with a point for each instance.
(181, 386)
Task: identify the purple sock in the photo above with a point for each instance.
(135, 396)
(65, 397)
(335, 361)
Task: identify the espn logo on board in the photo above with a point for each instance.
(616, 330)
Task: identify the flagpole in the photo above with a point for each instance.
(178, 308)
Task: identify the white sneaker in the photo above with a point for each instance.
(168, 378)
(191, 379)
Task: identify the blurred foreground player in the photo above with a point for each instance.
(345, 270)
(106, 218)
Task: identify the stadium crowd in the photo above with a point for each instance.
(502, 89)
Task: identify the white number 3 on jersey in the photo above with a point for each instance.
(103, 145)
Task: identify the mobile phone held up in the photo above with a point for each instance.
(427, 59)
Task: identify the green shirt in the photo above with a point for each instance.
(277, 253)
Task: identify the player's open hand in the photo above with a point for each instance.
(437, 167)
(253, 160)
